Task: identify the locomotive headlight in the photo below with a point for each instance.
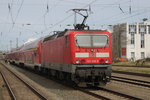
(77, 61)
(106, 61)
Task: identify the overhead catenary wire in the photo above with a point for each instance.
(52, 25)
(57, 23)
(107, 22)
(10, 12)
(48, 8)
(47, 11)
(130, 9)
(137, 14)
(121, 9)
(8, 5)
(18, 12)
(66, 18)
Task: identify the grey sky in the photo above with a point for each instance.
(33, 20)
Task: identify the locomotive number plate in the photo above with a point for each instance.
(92, 61)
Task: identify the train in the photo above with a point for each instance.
(81, 56)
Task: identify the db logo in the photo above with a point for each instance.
(92, 54)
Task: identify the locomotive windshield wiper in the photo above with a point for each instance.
(106, 43)
(77, 43)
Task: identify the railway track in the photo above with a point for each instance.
(132, 73)
(115, 95)
(102, 93)
(16, 85)
(12, 96)
(131, 81)
(90, 92)
(131, 66)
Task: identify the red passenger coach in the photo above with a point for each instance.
(27, 55)
(83, 56)
(31, 53)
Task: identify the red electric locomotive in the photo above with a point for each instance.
(82, 56)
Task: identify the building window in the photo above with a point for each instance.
(142, 29)
(132, 39)
(132, 28)
(142, 41)
(149, 29)
(142, 55)
(132, 56)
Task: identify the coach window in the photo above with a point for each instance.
(35, 53)
(67, 41)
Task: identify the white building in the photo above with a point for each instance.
(131, 41)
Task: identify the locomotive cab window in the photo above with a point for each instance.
(94, 40)
(67, 41)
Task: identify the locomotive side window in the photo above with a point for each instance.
(88, 40)
(67, 41)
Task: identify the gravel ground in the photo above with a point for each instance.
(108, 95)
(59, 92)
(52, 89)
(143, 92)
(21, 91)
(134, 90)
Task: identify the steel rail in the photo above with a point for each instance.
(28, 85)
(130, 79)
(93, 94)
(78, 88)
(8, 86)
(132, 73)
(96, 95)
(125, 81)
(131, 66)
(119, 93)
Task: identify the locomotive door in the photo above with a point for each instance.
(66, 55)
